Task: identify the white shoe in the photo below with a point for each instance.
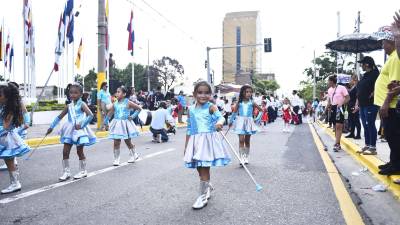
(82, 167)
(133, 155)
(246, 159)
(200, 202)
(67, 172)
(117, 158)
(15, 184)
(205, 194)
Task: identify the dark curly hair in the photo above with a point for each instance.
(13, 105)
(243, 90)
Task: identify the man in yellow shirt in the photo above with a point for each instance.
(387, 100)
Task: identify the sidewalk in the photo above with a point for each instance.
(382, 147)
(371, 162)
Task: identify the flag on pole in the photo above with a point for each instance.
(27, 13)
(70, 31)
(60, 41)
(131, 37)
(69, 7)
(7, 50)
(78, 57)
(11, 58)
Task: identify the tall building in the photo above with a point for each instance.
(239, 64)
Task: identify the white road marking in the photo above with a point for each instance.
(91, 174)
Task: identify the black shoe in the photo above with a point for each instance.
(390, 170)
(384, 166)
(357, 137)
(350, 136)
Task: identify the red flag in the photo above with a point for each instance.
(130, 43)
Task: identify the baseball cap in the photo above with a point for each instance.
(367, 60)
(384, 33)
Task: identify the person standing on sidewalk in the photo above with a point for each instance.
(103, 99)
(338, 96)
(387, 100)
(354, 115)
(365, 104)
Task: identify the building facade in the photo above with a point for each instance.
(240, 64)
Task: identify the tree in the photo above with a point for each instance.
(90, 80)
(168, 71)
(306, 90)
(264, 86)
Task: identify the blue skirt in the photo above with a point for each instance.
(12, 145)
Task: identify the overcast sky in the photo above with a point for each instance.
(297, 28)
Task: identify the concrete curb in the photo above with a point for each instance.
(52, 140)
(370, 161)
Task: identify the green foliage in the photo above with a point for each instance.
(264, 86)
(46, 106)
(169, 71)
(306, 90)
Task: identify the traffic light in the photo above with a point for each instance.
(205, 64)
(267, 45)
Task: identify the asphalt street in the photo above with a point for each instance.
(159, 190)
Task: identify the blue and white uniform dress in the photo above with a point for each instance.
(205, 147)
(121, 127)
(244, 123)
(69, 135)
(11, 144)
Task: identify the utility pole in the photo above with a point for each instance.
(208, 67)
(102, 26)
(358, 22)
(338, 35)
(315, 79)
(148, 66)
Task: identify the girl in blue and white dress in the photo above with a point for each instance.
(243, 122)
(204, 147)
(122, 126)
(11, 144)
(75, 131)
(21, 130)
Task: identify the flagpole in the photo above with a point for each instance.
(133, 57)
(3, 49)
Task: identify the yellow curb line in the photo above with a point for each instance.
(52, 140)
(370, 161)
(349, 210)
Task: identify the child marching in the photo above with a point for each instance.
(242, 120)
(21, 130)
(11, 144)
(75, 131)
(287, 111)
(204, 147)
(122, 126)
(264, 117)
